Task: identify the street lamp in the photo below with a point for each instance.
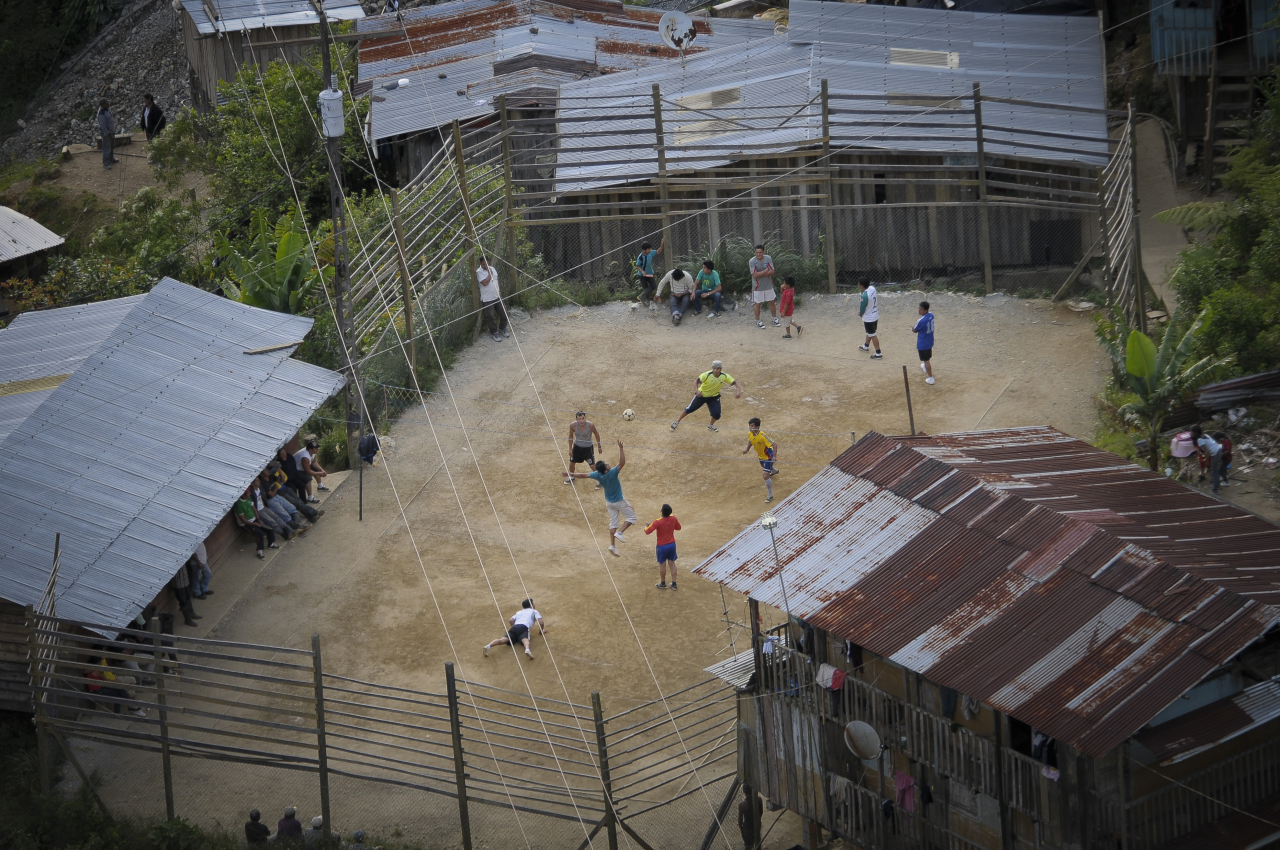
(769, 522)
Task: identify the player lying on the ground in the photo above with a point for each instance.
(521, 622)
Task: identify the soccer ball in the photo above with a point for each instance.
(635, 305)
(628, 414)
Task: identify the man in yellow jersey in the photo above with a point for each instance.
(766, 450)
(708, 385)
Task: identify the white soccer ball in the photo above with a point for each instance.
(635, 305)
(628, 414)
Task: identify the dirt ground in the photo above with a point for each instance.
(393, 603)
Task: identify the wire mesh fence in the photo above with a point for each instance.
(159, 725)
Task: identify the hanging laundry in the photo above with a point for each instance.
(906, 791)
(825, 674)
(837, 680)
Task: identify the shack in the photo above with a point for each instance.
(1054, 648)
(128, 428)
(222, 36)
(25, 245)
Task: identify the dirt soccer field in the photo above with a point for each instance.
(393, 603)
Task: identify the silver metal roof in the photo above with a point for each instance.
(44, 344)
(239, 15)
(860, 49)
(21, 236)
(464, 39)
(138, 454)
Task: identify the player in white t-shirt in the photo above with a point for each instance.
(521, 623)
(491, 306)
(869, 310)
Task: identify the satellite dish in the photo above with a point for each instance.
(677, 31)
(862, 740)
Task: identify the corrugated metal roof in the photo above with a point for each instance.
(21, 236)
(860, 49)
(1059, 583)
(138, 454)
(464, 40)
(239, 15)
(44, 344)
(1213, 724)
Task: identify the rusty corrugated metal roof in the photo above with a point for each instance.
(1213, 724)
(1055, 581)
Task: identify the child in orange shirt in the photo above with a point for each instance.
(666, 526)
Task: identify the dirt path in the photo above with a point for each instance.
(1161, 243)
(383, 595)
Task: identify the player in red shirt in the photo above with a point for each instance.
(788, 306)
(666, 526)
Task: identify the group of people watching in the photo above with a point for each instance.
(280, 499)
(289, 830)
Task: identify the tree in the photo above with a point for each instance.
(1159, 377)
(278, 271)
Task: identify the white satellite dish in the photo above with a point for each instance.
(677, 31)
(862, 740)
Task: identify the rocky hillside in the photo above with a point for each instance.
(140, 53)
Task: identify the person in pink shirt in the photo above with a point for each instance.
(666, 526)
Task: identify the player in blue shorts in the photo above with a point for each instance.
(766, 450)
(666, 526)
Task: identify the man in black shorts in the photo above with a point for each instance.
(580, 446)
(869, 310)
(708, 385)
(521, 622)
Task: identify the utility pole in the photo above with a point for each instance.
(332, 121)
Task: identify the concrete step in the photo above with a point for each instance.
(1231, 124)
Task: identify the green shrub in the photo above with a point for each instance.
(333, 449)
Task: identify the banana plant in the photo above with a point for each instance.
(1160, 377)
(279, 269)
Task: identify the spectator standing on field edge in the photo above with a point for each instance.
(620, 511)
(666, 526)
(580, 433)
(869, 310)
(491, 306)
(107, 127)
(1212, 450)
(761, 267)
(923, 329)
(708, 386)
(788, 306)
(152, 121)
(644, 266)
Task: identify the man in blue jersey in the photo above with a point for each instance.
(923, 330)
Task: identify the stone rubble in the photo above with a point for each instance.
(147, 57)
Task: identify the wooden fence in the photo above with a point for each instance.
(662, 771)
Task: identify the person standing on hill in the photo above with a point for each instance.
(644, 267)
(923, 330)
(107, 128)
(761, 268)
(491, 306)
(666, 526)
(152, 120)
(869, 310)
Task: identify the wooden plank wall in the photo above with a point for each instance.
(15, 677)
(214, 59)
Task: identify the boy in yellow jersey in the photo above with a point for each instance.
(766, 450)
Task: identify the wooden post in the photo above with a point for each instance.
(166, 761)
(406, 282)
(610, 816)
(322, 751)
(1122, 777)
(1104, 238)
(1007, 841)
(1208, 121)
(828, 220)
(508, 201)
(911, 416)
(1139, 297)
(468, 223)
(36, 674)
(663, 192)
(983, 210)
(459, 768)
(753, 611)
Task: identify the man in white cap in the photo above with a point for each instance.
(708, 386)
(316, 833)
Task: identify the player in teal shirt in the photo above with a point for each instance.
(708, 281)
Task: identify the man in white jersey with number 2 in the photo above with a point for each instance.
(870, 313)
